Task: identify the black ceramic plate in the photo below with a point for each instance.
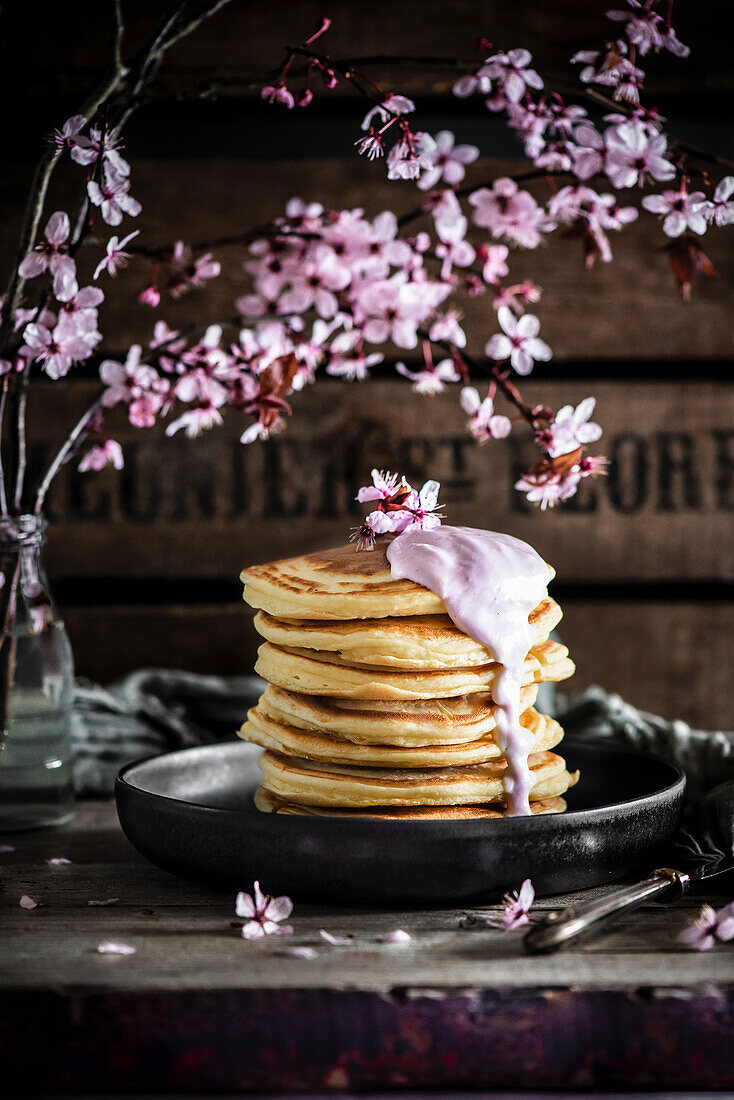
(191, 813)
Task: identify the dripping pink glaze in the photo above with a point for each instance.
(489, 584)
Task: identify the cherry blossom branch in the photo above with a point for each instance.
(509, 390)
(3, 399)
(65, 452)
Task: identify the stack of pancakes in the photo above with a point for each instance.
(377, 704)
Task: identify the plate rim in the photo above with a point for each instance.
(674, 789)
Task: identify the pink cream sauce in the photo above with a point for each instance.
(489, 584)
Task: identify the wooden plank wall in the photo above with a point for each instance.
(145, 563)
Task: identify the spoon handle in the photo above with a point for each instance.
(590, 917)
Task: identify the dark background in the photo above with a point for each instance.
(145, 564)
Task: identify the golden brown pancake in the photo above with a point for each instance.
(314, 673)
(319, 784)
(270, 803)
(327, 748)
(412, 641)
(343, 583)
(389, 722)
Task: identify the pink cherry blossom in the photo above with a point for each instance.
(204, 414)
(709, 927)
(517, 908)
(150, 296)
(634, 155)
(399, 508)
(391, 309)
(384, 486)
(65, 138)
(510, 213)
(411, 155)
(371, 146)
(431, 379)
(570, 428)
(445, 327)
(115, 257)
(448, 161)
(612, 69)
(511, 69)
(103, 147)
(346, 357)
(720, 209)
(58, 861)
(135, 384)
(112, 196)
(188, 273)
(590, 151)
(519, 341)
(420, 509)
(49, 254)
(390, 107)
(494, 262)
(478, 83)
(110, 948)
(315, 282)
(27, 902)
(483, 422)
(644, 25)
(277, 93)
(680, 209)
(262, 913)
(100, 455)
(672, 43)
(548, 489)
(57, 348)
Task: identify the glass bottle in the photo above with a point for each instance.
(36, 685)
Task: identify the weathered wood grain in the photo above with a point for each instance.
(207, 507)
(626, 309)
(185, 941)
(245, 41)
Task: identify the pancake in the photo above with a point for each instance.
(343, 583)
(319, 784)
(270, 803)
(412, 641)
(314, 673)
(376, 721)
(327, 748)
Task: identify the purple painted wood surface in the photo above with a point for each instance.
(323, 1040)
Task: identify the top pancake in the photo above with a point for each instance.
(343, 583)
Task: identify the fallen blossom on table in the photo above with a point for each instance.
(336, 941)
(398, 935)
(709, 926)
(6, 848)
(27, 903)
(517, 907)
(263, 913)
(300, 952)
(116, 949)
(106, 901)
(58, 861)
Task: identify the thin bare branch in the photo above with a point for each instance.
(65, 452)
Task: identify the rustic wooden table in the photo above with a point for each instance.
(196, 1008)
